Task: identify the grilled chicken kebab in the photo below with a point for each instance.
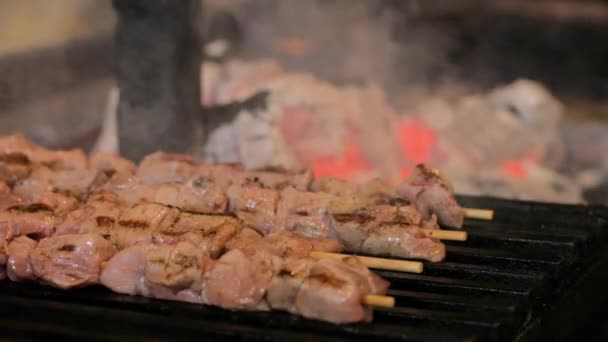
(176, 229)
(263, 200)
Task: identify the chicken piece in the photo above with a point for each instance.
(111, 163)
(254, 204)
(139, 223)
(7, 198)
(172, 272)
(334, 186)
(175, 272)
(18, 266)
(100, 213)
(306, 213)
(31, 221)
(333, 292)
(197, 195)
(6, 234)
(161, 167)
(284, 287)
(374, 190)
(209, 233)
(125, 271)
(73, 260)
(65, 160)
(14, 167)
(279, 179)
(403, 242)
(383, 214)
(244, 238)
(377, 285)
(432, 194)
(240, 280)
(42, 179)
(285, 243)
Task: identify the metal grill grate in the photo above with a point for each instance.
(535, 271)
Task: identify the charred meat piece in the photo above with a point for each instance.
(326, 289)
(279, 179)
(69, 261)
(374, 190)
(291, 244)
(432, 194)
(285, 285)
(240, 280)
(209, 233)
(161, 167)
(175, 271)
(197, 195)
(76, 182)
(408, 242)
(244, 238)
(35, 222)
(172, 272)
(18, 266)
(333, 292)
(306, 213)
(7, 198)
(388, 230)
(100, 211)
(18, 144)
(110, 163)
(14, 167)
(254, 204)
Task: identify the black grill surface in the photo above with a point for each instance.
(536, 272)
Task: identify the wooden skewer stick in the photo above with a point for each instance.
(481, 214)
(378, 263)
(453, 235)
(381, 301)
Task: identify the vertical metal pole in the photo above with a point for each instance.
(158, 45)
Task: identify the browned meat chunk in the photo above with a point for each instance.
(124, 272)
(333, 292)
(244, 238)
(35, 224)
(172, 272)
(432, 194)
(100, 213)
(239, 280)
(374, 190)
(69, 261)
(7, 198)
(285, 286)
(197, 195)
(254, 204)
(76, 182)
(111, 163)
(306, 213)
(14, 167)
(278, 179)
(18, 266)
(285, 243)
(18, 144)
(176, 271)
(209, 234)
(138, 224)
(160, 167)
(404, 242)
